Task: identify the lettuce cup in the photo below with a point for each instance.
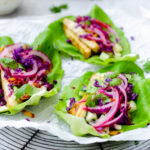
(28, 73)
(93, 38)
(111, 101)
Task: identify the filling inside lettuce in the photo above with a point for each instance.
(23, 73)
(105, 39)
(107, 101)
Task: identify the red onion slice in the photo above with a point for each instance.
(100, 109)
(125, 95)
(41, 72)
(106, 93)
(106, 26)
(7, 52)
(40, 54)
(125, 81)
(26, 74)
(101, 35)
(114, 120)
(102, 120)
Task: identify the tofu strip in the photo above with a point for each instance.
(11, 100)
(79, 31)
(85, 50)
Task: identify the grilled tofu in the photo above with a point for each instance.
(78, 31)
(77, 109)
(11, 100)
(84, 49)
(97, 76)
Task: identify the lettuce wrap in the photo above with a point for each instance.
(41, 43)
(139, 118)
(60, 40)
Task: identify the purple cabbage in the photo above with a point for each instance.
(48, 86)
(80, 19)
(100, 102)
(125, 120)
(117, 40)
(72, 102)
(84, 85)
(132, 38)
(131, 95)
(18, 70)
(108, 80)
(96, 84)
(27, 63)
(54, 82)
(68, 41)
(134, 96)
(2, 99)
(17, 54)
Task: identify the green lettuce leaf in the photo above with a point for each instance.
(5, 40)
(25, 89)
(140, 117)
(59, 39)
(44, 44)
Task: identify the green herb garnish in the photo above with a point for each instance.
(115, 81)
(57, 9)
(93, 100)
(88, 22)
(10, 63)
(92, 89)
(112, 75)
(25, 89)
(132, 78)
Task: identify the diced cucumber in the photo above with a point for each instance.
(68, 103)
(104, 56)
(117, 126)
(132, 106)
(117, 48)
(81, 93)
(91, 116)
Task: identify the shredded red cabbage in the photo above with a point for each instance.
(2, 99)
(72, 102)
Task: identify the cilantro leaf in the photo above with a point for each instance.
(93, 100)
(147, 66)
(88, 22)
(10, 63)
(102, 96)
(57, 9)
(115, 81)
(132, 78)
(112, 75)
(25, 89)
(92, 88)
